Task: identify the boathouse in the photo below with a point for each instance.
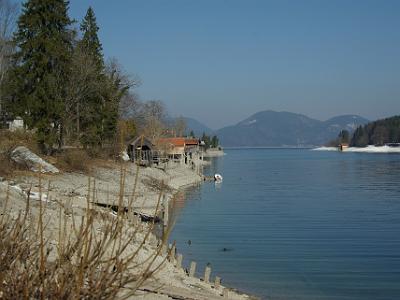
(142, 150)
(343, 146)
(179, 149)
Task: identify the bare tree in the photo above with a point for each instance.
(8, 17)
(114, 68)
(154, 113)
(130, 106)
(155, 109)
(83, 83)
(180, 126)
(154, 128)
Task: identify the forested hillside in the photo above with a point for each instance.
(377, 133)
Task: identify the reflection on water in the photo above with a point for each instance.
(298, 224)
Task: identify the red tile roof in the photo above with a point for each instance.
(179, 142)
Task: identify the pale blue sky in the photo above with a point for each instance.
(220, 61)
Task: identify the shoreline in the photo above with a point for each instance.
(213, 153)
(71, 189)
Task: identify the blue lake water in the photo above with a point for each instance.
(298, 224)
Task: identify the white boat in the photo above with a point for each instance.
(218, 177)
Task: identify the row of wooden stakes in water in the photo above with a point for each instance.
(177, 260)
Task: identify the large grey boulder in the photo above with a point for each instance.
(23, 156)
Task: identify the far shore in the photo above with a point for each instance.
(214, 152)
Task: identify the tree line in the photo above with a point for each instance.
(376, 133)
(54, 76)
(210, 142)
(57, 80)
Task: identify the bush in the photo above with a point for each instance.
(74, 160)
(9, 140)
(6, 166)
(90, 256)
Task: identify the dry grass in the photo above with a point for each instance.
(73, 160)
(93, 257)
(9, 141)
(6, 166)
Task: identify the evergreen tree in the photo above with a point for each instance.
(90, 41)
(360, 138)
(40, 69)
(94, 109)
(115, 88)
(344, 137)
(214, 141)
(379, 132)
(206, 139)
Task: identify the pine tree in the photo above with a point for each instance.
(344, 137)
(360, 138)
(214, 141)
(206, 139)
(90, 41)
(94, 108)
(36, 81)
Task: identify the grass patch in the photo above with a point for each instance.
(74, 160)
(8, 142)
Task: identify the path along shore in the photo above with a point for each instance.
(70, 190)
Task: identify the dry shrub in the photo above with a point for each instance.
(9, 140)
(74, 160)
(91, 259)
(6, 166)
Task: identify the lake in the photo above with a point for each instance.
(297, 224)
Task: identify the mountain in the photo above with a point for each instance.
(191, 125)
(280, 129)
(345, 122)
(197, 127)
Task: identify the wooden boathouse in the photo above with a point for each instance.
(181, 150)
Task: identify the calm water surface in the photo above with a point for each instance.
(298, 224)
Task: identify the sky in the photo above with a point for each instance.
(220, 61)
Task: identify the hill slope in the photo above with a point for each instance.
(377, 133)
(280, 129)
(197, 127)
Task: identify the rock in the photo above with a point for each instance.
(125, 156)
(23, 156)
(37, 196)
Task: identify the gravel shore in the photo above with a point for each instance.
(70, 190)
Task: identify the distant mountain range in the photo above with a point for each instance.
(197, 127)
(280, 129)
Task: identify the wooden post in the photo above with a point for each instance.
(166, 211)
(217, 283)
(68, 207)
(152, 240)
(179, 261)
(192, 269)
(172, 254)
(207, 274)
(225, 293)
(164, 250)
(138, 220)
